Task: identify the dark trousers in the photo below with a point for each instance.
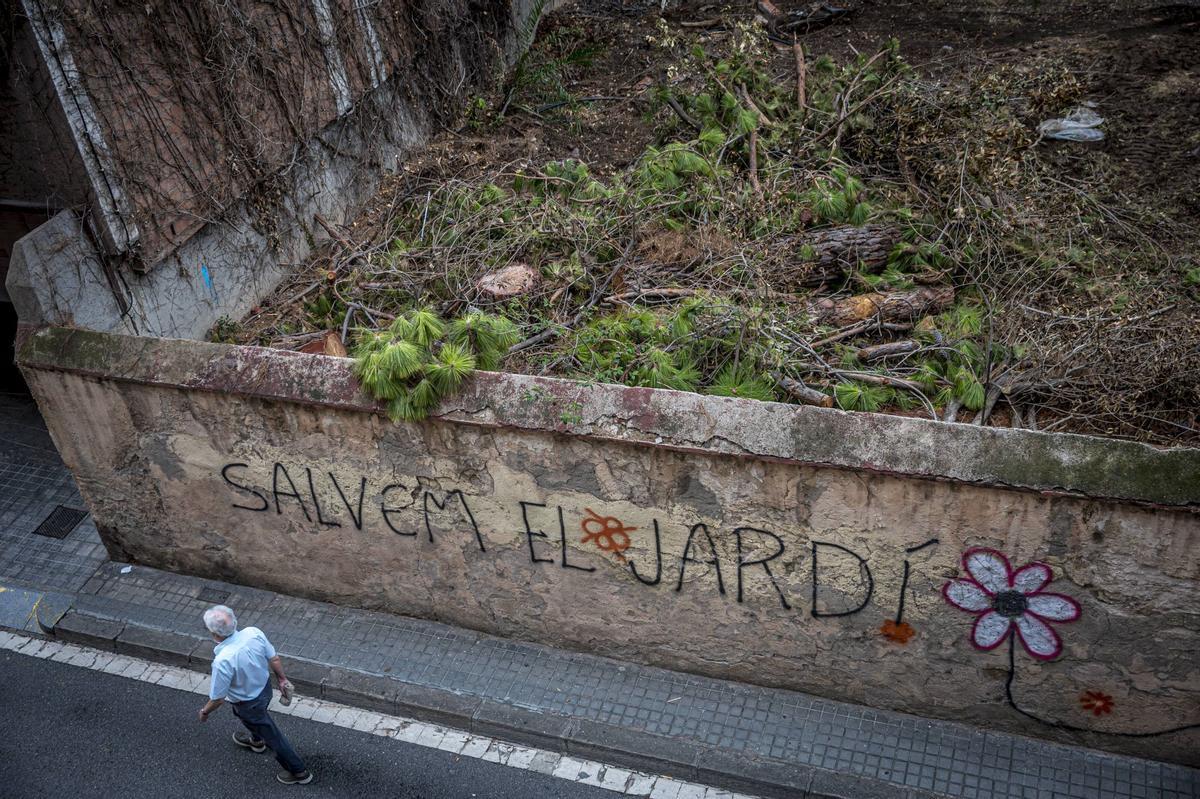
(253, 713)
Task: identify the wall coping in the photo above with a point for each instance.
(1053, 463)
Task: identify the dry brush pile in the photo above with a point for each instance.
(840, 234)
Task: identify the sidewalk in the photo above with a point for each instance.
(745, 738)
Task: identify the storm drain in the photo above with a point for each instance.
(60, 522)
(213, 595)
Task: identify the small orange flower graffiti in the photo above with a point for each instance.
(1097, 702)
(898, 631)
(607, 532)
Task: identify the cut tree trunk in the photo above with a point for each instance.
(886, 306)
(840, 249)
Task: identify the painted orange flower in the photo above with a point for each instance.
(898, 631)
(1097, 702)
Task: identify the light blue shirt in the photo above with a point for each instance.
(239, 669)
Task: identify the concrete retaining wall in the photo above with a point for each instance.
(780, 545)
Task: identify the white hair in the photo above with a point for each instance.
(220, 621)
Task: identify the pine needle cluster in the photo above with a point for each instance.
(420, 358)
(702, 345)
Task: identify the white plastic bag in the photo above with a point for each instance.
(1079, 125)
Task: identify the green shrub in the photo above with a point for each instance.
(419, 358)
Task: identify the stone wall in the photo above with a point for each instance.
(780, 545)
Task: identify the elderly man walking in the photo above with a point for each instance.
(242, 662)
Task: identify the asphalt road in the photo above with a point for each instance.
(72, 732)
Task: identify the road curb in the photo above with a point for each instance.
(630, 748)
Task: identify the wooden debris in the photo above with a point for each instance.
(801, 76)
(886, 306)
(880, 380)
(840, 249)
(952, 408)
(877, 351)
(679, 112)
(334, 346)
(862, 327)
(754, 162)
(644, 294)
(863, 377)
(802, 393)
(328, 343)
(508, 282)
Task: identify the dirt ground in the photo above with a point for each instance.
(1137, 60)
(1114, 334)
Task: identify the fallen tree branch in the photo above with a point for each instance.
(754, 162)
(865, 377)
(744, 94)
(848, 112)
(989, 403)
(679, 112)
(644, 293)
(951, 413)
(881, 380)
(862, 327)
(352, 252)
(877, 351)
(801, 77)
(802, 393)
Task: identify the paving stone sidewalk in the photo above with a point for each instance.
(757, 740)
(716, 732)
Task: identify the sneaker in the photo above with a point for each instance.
(288, 778)
(242, 738)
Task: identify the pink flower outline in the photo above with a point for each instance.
(1004, 599)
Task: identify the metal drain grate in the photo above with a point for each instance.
(60, 522)
(213, 595)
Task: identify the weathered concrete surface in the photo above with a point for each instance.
(56, 274)
(697, 533)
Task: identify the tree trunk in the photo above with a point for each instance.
(886, 306)
(840, 249)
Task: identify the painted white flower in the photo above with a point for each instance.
(1003, 600)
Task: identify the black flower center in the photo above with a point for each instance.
(1010, 603)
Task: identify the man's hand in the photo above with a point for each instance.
(209, 707)
(285, 690)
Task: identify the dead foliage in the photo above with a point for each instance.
(860, 231)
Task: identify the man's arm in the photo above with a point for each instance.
(209, 707)
(218, 688)
(285, 685)
(277, 668)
